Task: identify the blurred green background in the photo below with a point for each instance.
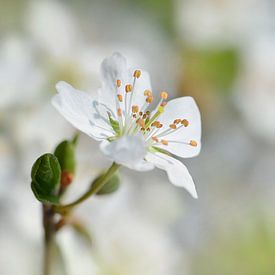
(220, 52)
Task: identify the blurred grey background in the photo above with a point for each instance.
(220, 52)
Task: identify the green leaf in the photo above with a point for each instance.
(65, 153)
(45, 177)
(110, 187)
(114, 123)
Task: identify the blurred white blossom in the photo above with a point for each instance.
(21, 79)
(255, 89)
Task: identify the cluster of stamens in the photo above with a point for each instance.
(138, 119)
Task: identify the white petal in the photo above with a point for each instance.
(176, 171)
(182, 108)
(82, 111)
(141, 84)
(128, 151)
(112, 69)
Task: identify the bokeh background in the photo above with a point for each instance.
(221, 52)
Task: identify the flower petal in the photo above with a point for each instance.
(112, 69)
(128, 151)
(182, 108)
(176, 171)
(82, 111)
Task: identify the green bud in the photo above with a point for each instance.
(65, 153)
(45, 177)
(110, 187)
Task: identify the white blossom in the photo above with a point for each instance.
(129, 133)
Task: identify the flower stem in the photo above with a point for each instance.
(95, 187)
(49, 232)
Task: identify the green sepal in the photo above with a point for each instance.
(110, 187)
(45, 175)
(114, 123)
(65, 153)
(155, 149)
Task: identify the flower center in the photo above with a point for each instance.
(132, 119)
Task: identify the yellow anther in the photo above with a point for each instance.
(128, 88)
(147, 93)
(119, 112)
(118, 83)
(137, 73)
(155, 124)
(177, 121)
(142, 129)
(193, 143)
(159, 125)
(155, 139)
(185, 122)
(135, 109)
(173, 126)
(120, 98)
(164, 142)
(163, 95)
(141, 122)
(149, 99)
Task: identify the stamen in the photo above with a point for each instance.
(128, 88)
(163, 104)
(173, 126)
(120, 98)
(144, 116)
(163, 95)
(190, 143)
(135, 109)
(177, 121)
(118, 83)
(140, 113)
(193, 143)
(148, 113)
(147, 93)
(149, 99)
(155, 139)
(134, 115)
(119, 112)
(148, 129)
(160, 109)
(137, 73)
(159, 126)
(141, 122)
(164, 142)
(117, 99)
(170, 130)
(155, 124)
(185, 122)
